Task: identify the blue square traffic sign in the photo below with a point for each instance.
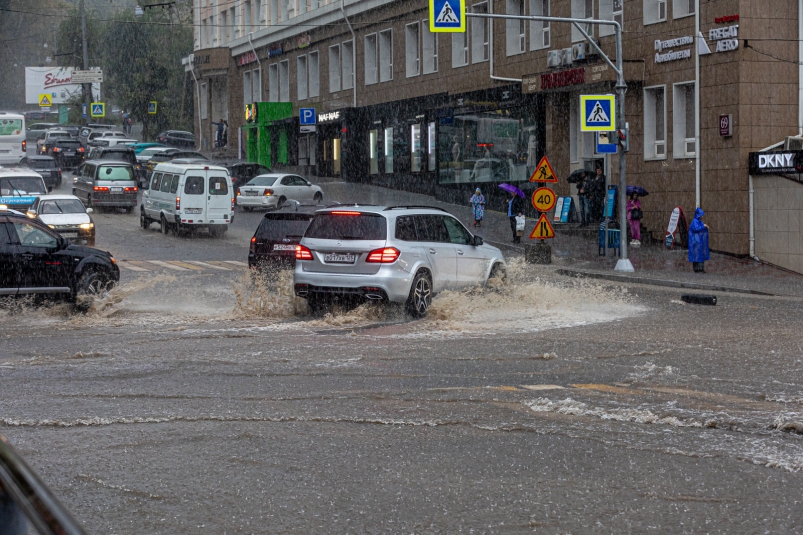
(306, 115)
(604, 146)
(447, 15)
(598, 113)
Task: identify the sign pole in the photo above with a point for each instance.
(623, 264)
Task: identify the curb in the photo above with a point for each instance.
(659, 282)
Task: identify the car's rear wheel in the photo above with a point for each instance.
(144, 221)
(318, 197)
(91, 286)
(498, 275)
(247, 208)
(163, 226)
(420, 298)
(282, 200)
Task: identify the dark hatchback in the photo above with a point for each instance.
(35, 260)
(45, 166)
(274, 242)
(67, 153)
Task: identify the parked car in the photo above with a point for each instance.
(35, 259)
(67, 152)
(274, 241)
(176, 138)
(398, 254)
(106, 183)
(46, 167)
(118, 153)
(242, 172)
(48, 138)
(171, 154)
(271, 190)
(19, 187)
(67, 215)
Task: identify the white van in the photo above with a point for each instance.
(13, 143)
(183, 197)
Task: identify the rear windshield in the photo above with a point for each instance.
(68, 143)
(62, 206)
(277, 227)
(58, 135)
(262, 181)
(22, 185)
(194, 185)
(125, 156)
(332, 226)
(41, 164)
(10, 127)
(115, 172)
(150, 152)
(218, 185)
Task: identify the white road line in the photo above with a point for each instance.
(236, 263)
(166, 265)
(205, 265)
(132, 267)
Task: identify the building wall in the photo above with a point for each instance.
(778, 220)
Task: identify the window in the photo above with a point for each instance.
(284, 81)
(431, 145)
(413, 49)
(256, 85)
(610, 10)
(247, 14)
(314, 75)
(204, 34)
(371, 69)
(347, 61)
(156, 182)
(460, 49)
(574, 129)
(457, 232)
(274, 12)
(430, 42)
(415, 148)
(257, 21)
(654, 11)
(301, 74)
(480, 30)
(223, 27)
(431, 228)
(232, 25)
(373, 153)
(218, 185)
(654, 123)
(582, 9)
(683, 127)
(515, 29)
(539, 30)
(389, 150)
(167, 181)
(204, 96)
(405, 228)
(682, 8)
(247, 88)
(273, 83)
(32, 236)
(386, 55)
(334, 69)
(194, 185)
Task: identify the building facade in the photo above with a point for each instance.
(445, 113)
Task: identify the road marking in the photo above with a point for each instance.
(220, 264)
(236, 263)
(179, 263)
(130, 265)
(605, 388)
(207, 265)
(543, 387)
(166, 265)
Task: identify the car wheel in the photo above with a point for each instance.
(420, 295)
(127, 209)
(163, 226)
(144, 221)
(282, 200)
(247, 208)
(92, 285)
(498, 276)
(318, 197)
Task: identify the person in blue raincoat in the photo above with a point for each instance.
(478, 206)
(698, 242)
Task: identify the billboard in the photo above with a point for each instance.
(54, 81)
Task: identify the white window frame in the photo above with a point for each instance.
(582, 9)
(284, 81)
(224, 27)
(460, 49)
(515, 30)
(609, 10)
(371, 59)
(429, 49)
(653, 10)
(385, 55)
(682, 8)
(681, 107)
(412, 48)
(480, 34)
(654, 149)
(273, 82)
(540, 36)
(302, 85)
(314, 70)
(334, 69)
(347, 65)
(248, 14)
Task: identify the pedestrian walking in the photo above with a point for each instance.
(698, 242)
(584, 199)
(218, 133)
(521, 222)
(225, 132)
(477, 202)
(634, 216)
(513, 209)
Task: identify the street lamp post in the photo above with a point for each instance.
(87, 87)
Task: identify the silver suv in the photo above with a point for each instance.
(400, 254)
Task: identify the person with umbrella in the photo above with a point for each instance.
(596, 188)
(477, 202)
(513, 207)
(634, 215)
(698, 242)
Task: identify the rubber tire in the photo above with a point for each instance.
(420, 298)
(144, 221)
(282, 200)
(91, 284)
(318, 198)
(164, 227)
(127, 209)
(495, 271)
(247, 209)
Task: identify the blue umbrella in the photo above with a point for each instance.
(513, 189)
(637, 189)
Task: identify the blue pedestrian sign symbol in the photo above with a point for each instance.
(447, 15)
(598, 113)
(97, 109)
(306, 115)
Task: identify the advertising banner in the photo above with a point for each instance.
(53, 81)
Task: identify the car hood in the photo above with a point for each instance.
(84, 251)
(64, 219)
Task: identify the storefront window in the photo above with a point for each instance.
(488, 147)
(431, 145)
(372, 152)
(388, 150)
(336, 156)
(415, 148)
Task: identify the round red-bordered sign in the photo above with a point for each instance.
(544, 199)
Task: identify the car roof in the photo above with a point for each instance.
(57, 131)
(108, 162)
(16, 171)
(40, 157)
(298, 208)
(56, 197)
(190, 165)
(386, 210)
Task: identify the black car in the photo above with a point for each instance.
(120, 153)
(35, 260)
(45, 166)
(242, 172)
(67, 153)
(274, 242)
(169, 155)
(176, 138)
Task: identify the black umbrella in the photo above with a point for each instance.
(637, 189)
(576, 176)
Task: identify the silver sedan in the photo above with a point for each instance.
(271, 190)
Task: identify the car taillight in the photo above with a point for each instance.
(386, 255)
(303, 253)
(131, 190)
(59, 172)
(178, 203)
(56, 149)
(268, 192)
(238, 193)
(101, 188)
(344, 212)
(253, 244)
(80, 149)
(24, 146)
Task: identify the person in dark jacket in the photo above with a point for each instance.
(698, 242)
(584, 199)
(513, 208)
(597, 191)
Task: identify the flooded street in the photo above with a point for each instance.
(214, 403)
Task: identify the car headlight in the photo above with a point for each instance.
(86, 226)
(52, 226)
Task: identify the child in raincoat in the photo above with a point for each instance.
(521, 222)
(698, 242)
(477, 202)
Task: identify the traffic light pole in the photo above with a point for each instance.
(623, 264)
(87, 87)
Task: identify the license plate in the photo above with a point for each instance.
(252, 193)
(193, 210)
(69, 234)
(115, 190)
(339, 258)
(278, 247)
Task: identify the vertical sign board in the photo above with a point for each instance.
(610, 202)
(97, 109)
(604, 144)
(152, 107)
(565, 210)
(726, 125)
(597, 113)
(559, 209)
(447, 16)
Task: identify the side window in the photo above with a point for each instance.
(31, 236)
(167, 181)
(405, 228)
(89, 172)
(218, 185)
(431, 228)
(287, 181)
(174, 185)
(157, 180)
(457, 233)
(4, 238)
(194, 185)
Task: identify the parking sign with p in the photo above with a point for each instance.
(306, 115)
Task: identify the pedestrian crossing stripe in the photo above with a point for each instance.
(186, 266)
(543, 172)
(543, 229)
(447, 15)
(598, 113)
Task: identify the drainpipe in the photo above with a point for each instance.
(491, 46)
(752, 220)
(260, 64)
(354, 53)
(198, 96)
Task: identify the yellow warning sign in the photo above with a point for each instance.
(543, 172)
(543, 229)
(544, 199)
(45, 100)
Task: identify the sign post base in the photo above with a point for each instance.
(624, 265)
(538, 253)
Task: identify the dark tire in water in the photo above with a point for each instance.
(164, 227)
(92, 285)
(498, 275)
(420, 298)
(318, 197)
(144, 221)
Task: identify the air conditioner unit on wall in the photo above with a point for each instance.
(579, 51)
(793, 143)
(566, 57)
(553, 58)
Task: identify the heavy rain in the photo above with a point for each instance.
(295, 266)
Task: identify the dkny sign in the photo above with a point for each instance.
(776, 163)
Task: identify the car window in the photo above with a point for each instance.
(167, 181)
(23, 185)
(431, 228)
(4, 237)
(405, 228)
(157, 181)
(194, 185)
(287, 181)
(62, 206)
(262, 181)
(218, 185)
(457, 233)
(345, 225)
(32, 236)
(174, 184)
(41, 164)
(278, 227)
(298, 181)
(48, 207)
(115, 172)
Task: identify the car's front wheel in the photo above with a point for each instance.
(420, 298)
(318, 197)
(91, 286)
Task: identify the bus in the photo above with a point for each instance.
(12, 138)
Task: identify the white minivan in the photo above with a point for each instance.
(13, 144)
(183, 197)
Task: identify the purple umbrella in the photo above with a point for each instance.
(636, 189)
(513, 189)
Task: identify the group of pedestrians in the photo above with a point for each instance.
(515, 213)
(591, 195)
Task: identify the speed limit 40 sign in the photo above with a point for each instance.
(544, 199)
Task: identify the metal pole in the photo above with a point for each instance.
(623, 264)
(87, 87)
(697, 102)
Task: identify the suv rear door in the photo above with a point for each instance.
(218, 199)
(340, 241)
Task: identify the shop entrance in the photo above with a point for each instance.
(331, 155)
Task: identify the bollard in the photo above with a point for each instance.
(538, 253)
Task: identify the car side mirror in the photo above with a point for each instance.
(89, 210)
(478, 241)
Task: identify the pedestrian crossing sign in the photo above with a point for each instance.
(598, 113)
(543, 229)
(45, 100)
(447, 16)
(152, 107)
(97, 109)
